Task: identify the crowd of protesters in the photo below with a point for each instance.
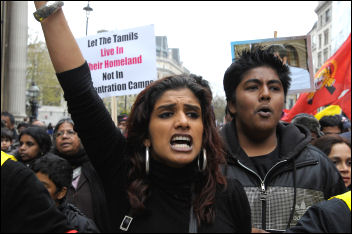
(166, 167)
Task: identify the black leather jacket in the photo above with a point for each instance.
(302, 177)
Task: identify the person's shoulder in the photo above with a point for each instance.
(233, 189)
(14, 170)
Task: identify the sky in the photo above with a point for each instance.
(203, 31)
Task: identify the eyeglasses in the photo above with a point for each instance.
(69, 133)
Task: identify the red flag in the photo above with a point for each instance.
(332, 80)
(345, 103)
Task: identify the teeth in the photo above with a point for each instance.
(181, 138)
(181, 146)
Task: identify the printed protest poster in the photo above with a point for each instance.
(294, 52)
(121, 62)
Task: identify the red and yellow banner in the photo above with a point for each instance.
(332, 86)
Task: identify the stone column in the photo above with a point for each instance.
(17, 57)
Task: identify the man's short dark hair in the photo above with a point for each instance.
(309, 121)
(6, 133)
(22, 124)
(331, 121)
(250, 59)
(58, 169)
(8, 114)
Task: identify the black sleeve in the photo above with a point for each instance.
(243, 211)
(332, 216)
(101, 139)
(26, 205)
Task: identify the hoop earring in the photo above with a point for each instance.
(204, 161)
(147, 160)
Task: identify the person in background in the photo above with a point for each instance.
(9, 120)
(122, 123)
(6, 140)
(331, 124)
(86, 190)
(38, 123)
(56, 175)
(26, 206)
(281, 172)
(34, 143)
(21, 126)
(50, 129)
(310, 122)
(330, 216)
(338, 149)
(165, 176)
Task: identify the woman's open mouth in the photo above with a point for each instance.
(181, 143)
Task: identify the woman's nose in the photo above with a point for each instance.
(182, 120)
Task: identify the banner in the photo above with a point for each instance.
(293, 51)
(332, 85)
(121, 62)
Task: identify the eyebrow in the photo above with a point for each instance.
(170, 106)
(259, 82)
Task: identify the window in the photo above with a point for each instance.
(327, 15)
(320, 41)
(292, 56)
(321, 21)
(319, 60)
(326, 54)
(326, 37)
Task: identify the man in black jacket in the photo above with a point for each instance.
(283, 175)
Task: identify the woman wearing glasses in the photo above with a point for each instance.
(86, 191)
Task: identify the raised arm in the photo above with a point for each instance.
(62, 46)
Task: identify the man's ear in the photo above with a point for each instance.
(231, 107)
(146, 143)
(62, 193)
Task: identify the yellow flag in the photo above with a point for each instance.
(330, 110)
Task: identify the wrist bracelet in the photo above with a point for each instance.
(46, 10)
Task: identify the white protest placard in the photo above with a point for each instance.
(121, 62)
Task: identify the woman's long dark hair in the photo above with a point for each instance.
(137, 132)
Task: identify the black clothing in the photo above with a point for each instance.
(332, 216)
(262, 164)
(168, 207)
(302, 177)
(26, 205)
(76, 219)
(89, 197)
(27, 163)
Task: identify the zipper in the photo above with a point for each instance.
(263, 193)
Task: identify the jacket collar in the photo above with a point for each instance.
(292, 140)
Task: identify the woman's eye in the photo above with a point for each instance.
(193, 115)
(165, 115)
